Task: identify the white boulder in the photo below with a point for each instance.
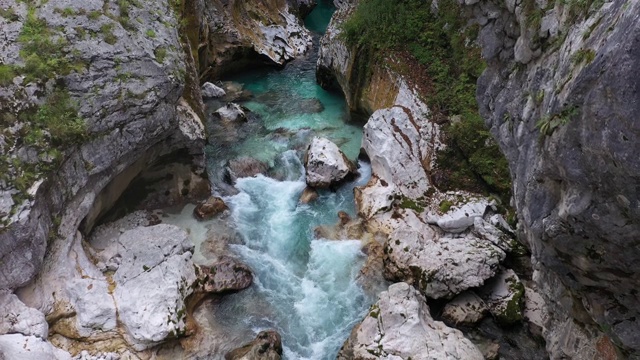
(325, 164)
(399, 326)
(16, 317)
(152, 282)
(440, 265)
(231, 112)
(460, 218)
(210, 90)
(18, 346)
(392, 138)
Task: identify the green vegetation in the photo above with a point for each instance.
(94, 15)
(407, 203)
(161, 53)
(583, 56)
(548, 124)
(445, 206)
(9, 14)
(150, 33)
(7, 73)
(107, 34)
(442, 45)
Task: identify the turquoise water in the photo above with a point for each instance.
(305, 288)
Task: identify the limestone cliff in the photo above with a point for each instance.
(92, 94)
(560, 95)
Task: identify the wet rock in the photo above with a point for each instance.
(465, 309)
(440, 265)
(210, 90)
(309, 195)
(209, 208)
(266, 346)
(221, 233)
(504, 295)
(18, 346)
(245, 167)
(16, 317)
(326, 165)
(235, 92)
(231, 112)
(227, 275)
(152, 283)
(346, 229)
(399, 326)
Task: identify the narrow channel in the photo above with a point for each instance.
(304, 287)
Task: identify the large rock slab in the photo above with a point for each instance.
(18, 346)
(440, 265)
(394, 141)
(152, 282)
(210, 90)
(399, 326)
(226, 275)
(326, 164)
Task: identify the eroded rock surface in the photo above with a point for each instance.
(504, 295)
(575, 170)
(18, 346)
(465, 309)
(399, 326)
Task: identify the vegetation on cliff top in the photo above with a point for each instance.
(443, 44)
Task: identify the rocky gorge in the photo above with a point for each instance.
(160, 200)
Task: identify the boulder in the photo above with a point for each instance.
(266, 346)
(209, 208)
(17, 317)
(309, 195)
(485, 230)
(151, 284)
(465, 309)
(245, 167)
(231, 112)
(393, 140)
(399, 326)
(18, 346)
(325, 164)
(440, 265)
(227, 275)
(210, 90)
(504, 295)
(460, 218)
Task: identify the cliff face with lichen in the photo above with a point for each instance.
(91, 95)
(560, 95)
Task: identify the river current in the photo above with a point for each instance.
(304, 287)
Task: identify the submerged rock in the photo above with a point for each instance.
(326, 165)
(399, 326)
(266, 346)
(227, 275)
(309, 195)
(209, 208)
(210, 90)
(504, 294)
